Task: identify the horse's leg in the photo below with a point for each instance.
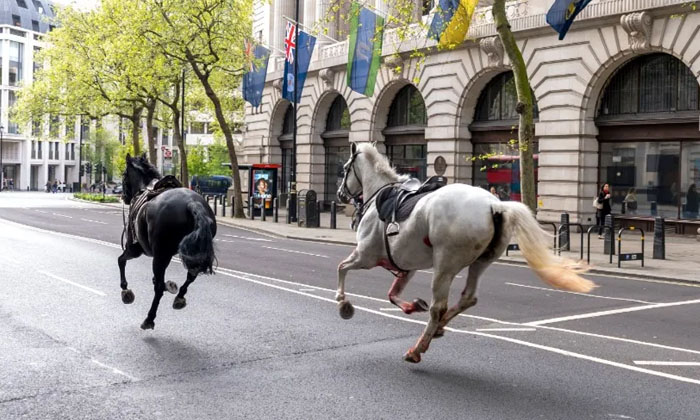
(418, 305)
(468, 298)
(132, 251)
(180, 301)
(438, 307)
(350, 263)
(160, 263)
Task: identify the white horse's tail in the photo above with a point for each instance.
(534, 244)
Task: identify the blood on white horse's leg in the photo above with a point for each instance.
(467, 299)
(397, 287)
(351, 262)
(438, 307)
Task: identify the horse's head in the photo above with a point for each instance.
(137, 175)
(352, 184)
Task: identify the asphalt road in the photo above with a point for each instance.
(262, 338)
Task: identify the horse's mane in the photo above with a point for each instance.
(148, 170)
(380, 162)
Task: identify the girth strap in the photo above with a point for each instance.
(399, 270)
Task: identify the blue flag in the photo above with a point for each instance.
(306, 48)
(562, 14)
(254, 80)
(364, 50)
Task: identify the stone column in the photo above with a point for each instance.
(26, 167)
(281, 8)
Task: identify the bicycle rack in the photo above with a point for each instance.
(580, 226)
(590, 229)
(634, 256)
(516, 247)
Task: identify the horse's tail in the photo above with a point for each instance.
(534, 244)
(197, 248)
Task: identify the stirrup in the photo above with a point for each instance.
(392, 229)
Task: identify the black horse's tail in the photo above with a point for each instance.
(197, 248)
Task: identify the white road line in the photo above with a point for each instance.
(93, 221)
(62, 215)
(611, 312)
(41, 211)
(390, 309)
(307, 290)
(296, 252)
(578, 293)
(247, 238)
(661, 363)
(431, 273)
(483, 318)
(506, 329)
(55, 277)
(114, 370)
(482, 334)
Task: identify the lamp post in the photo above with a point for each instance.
(2, 169)
(292, 207)
(80, 158)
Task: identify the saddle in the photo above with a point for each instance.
(396, 204)
(153, 190)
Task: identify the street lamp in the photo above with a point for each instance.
(80, 157)
(2, 170)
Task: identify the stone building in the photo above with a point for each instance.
(617, 102)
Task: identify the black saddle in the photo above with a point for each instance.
(396, 204)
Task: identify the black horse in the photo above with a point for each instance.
(164, 221)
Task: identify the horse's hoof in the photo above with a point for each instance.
(412, 356)
(179, 303)
(419, 305)
(128, 296)
(148, 325)
(346, 309)
(171, 286)
(439, 333)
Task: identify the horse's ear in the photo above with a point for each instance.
(144, 157)
(374, 144)
(128, 158)
(353, 148)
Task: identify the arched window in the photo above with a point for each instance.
(405, 133)
(655, 83)
(286, 144)
(337, 146)
(498, 100)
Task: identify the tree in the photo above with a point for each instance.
(525, 108)
(208, 35)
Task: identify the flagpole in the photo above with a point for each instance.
(292, 207)
(310, 29)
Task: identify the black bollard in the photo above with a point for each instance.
(659, 239)
(223, 205)
(275, 210)
(251, 208)
(216, 207)
(333, 215)
(289, 212)
(624, 207)
(565, 234)
(262, 210)
(653, 208)
(232, 207)
(319, 209)
(609, 246)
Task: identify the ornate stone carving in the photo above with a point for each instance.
(638, 27)
(328, 77)
(494, 50)
(277, 84)
(393, 61)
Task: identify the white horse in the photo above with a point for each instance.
(452, 228)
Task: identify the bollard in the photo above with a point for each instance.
(608, 245)
(319, 209)
(262, 210)
(565, 235)
(659, 239)
(289, 212)
(251, 208)
(275, 210)
(232, 207)
(216, 207)
(653, 208)
(624, 208)
(223, 205)
(333, 215)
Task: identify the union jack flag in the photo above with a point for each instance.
(249, 54)
(290, 42)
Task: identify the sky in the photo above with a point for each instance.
(79, 4)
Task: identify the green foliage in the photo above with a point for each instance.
(97, 197)
(208, 160)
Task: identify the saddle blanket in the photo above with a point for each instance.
(399, 202)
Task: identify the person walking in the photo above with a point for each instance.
(55, 186)
(692, 202)
(603, 208)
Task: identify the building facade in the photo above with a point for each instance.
(617, 103)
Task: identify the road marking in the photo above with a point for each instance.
(481, 334)
(93, 221)
(431, 273)
(390, 309)
(55, 277)
(578, 293)
(296, 252)
(114, 370)
(41, 211)
(307, 290)
(248, 238)
(64, 235)
(62, 215)
(610, 312)
(661, 363)
(506, 329)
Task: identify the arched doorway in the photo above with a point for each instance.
(405, 133)
(494, 131)
(649, 141)
(336, 146)
(286, 145)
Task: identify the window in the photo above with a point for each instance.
(210, 128)
(38, 6)
(70, 128)
(497, 165)
(67, 155)
(427, 6)
(408, 108)
(72, 151)
(33, 149)
(54, 124)
(36, 128)
(55, 146)
(51, 150)
(39, 151)
(338, 116)
(196, 127)
(35, 26)
(164, 138)
(12, 126)
(16, 20)
(409, 159)
(336, 156)
(22, 4)
(16, 62)
(15, 32)
(286, 145)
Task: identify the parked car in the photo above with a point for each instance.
(214, 184)
(117, 189)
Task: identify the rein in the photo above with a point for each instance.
(141, 199)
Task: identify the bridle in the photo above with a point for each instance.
(345, 190)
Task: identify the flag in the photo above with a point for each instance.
(562, 14)
(451, 21)
(254, 79)
(306, 48)
(364, 50)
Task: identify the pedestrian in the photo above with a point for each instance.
(692, 202)
(55, 186)
(493, 191)
(602, 204)
(12, 184)
(48, 186)
(631, 201)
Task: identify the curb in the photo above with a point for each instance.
(113, 205)
(231, 223)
